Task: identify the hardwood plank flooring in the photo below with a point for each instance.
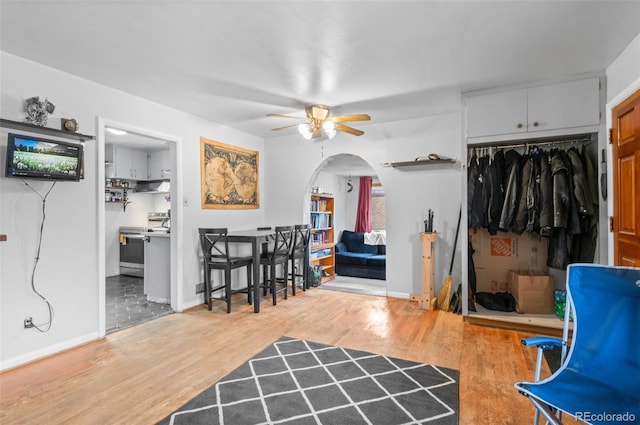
(141, 374)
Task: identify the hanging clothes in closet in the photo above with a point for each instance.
(552, 193)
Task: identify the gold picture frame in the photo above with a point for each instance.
(228, 176)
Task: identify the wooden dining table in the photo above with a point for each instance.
(255, 237)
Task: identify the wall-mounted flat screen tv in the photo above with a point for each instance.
(35, 157)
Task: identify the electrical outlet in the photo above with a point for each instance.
(28, 323)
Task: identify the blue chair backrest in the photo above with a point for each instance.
(606, 335)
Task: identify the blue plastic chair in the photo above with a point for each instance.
(599, 383)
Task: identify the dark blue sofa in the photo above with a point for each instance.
(355, 258)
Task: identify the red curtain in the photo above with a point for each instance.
(363, 216)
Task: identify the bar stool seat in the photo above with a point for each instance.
(278, 254)
(300, 254)
(215, 252)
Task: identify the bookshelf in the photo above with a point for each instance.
(322, 250)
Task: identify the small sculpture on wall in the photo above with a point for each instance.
(38, 111)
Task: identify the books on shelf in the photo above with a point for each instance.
(320, 237)
(320, 221)
(319, 205)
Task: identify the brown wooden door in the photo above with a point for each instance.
(626, 181)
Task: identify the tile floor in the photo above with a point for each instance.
(126, 304)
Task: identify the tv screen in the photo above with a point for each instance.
(34, 157)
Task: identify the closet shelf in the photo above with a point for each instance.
(17, 125)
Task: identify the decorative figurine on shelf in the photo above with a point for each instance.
(38, 111)
(70, 125)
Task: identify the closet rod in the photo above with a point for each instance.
(584, 141)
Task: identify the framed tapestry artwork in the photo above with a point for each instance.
(228, 176)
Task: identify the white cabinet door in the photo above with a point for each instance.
(564, 105)
(122, 162)
(125, 163)
(497, 113)
(139, 165)
(159, 165)
(551, 107)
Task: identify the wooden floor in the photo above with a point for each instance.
(141, 374)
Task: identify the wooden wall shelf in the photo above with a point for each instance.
(419, 162)
(17, 125)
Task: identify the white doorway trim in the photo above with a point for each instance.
(175, 143)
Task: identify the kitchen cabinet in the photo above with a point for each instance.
(125, 163)
(159, 165)
(525, 111)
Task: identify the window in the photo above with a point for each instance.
(378, 210)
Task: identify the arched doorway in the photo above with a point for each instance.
(339, 175)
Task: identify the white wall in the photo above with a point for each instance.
(68, 269)
(623, 79)
(409, 192)
(624, 72)
(351, 204)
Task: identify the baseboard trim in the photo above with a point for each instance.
(49, 351)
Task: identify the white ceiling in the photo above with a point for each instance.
(232, 62)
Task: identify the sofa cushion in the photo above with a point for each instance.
(355, 242)
(352, 258)
(378, 260)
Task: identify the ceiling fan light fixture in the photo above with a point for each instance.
(319, 122)
(305, 131)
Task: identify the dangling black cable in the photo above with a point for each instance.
(48, 324)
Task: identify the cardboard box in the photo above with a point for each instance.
(491, 280)
(508, 251)
(533, 291)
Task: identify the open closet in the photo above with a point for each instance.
(532, 209)
(533, 199)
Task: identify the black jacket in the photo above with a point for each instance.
(546, 195)
(512, 189)
(520, 221)
(496, 191)
(561, 202)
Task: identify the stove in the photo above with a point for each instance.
(159, 222)
(132, 250)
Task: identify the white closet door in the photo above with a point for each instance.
(564, 105)
(497, 113)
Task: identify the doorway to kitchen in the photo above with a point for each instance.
(138, 271)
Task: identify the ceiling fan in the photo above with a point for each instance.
(319, 120)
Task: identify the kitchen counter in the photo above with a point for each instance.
(157, 234)
(157, 267)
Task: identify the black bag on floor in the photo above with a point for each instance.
(500, 301)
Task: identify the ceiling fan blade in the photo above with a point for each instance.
(284, 128)
(349, 130)
(345, 118)
(283, 116)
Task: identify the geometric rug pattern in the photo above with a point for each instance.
(294, 381)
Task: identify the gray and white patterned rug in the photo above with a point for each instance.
(295, 381)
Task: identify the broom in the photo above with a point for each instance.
(444, 296)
